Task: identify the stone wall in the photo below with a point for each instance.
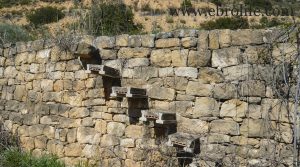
(219, 83)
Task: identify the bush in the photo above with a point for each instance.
(186, 4)
(45, 15)
(10, 3)
(232, 23)
(13, 157)
(217, 2)
(111, 19)
(261, 4)
(12, 33)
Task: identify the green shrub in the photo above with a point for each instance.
(186, 4)
(217, 2)
(45, 15)
(261, 4)
(13, 157)
(13, 33)
(232, 23)
(10, 3)
(111, 19)
(169, 19)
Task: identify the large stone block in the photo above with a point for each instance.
(148, 40)
(199, 58)
(186, 72)
(234, 108)
(115, 128)
(214, 39)
(225, 91)
(225, 57)
(87, 135)
(127, 53)
(224, 38)
(161, 57)
(257, 128)
(122, 40)
(162, 93)
(199, 89)
(134, 131)
(247, 36)
(238, 73)
(205, 107)
(225, 127)
(192, 126)
(167, 43)
(137, 62)
(73, 150)
(252, 88)
(166, 72)
(188, 42)
(202, 40)
(105, 42)
(179, 57)
(209, 75)
(107, 54)
(79, 112)
(135, 41)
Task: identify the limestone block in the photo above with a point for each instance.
(225, 127)
(134, 41)
(199, 58)
(36, 130)
(107, 54)
(252, 88)
(254, 111)
(167, 43)
(37, 45)
(210, 75)
(214, 39)
(115, 128)
(121, 118)
(246, 37)
(181, 33)
(104, 42)
(179, 57)
(164, 35)
(257, 128)
(122, 40)
(73, 150)
(199, 89)
(218, 138)
(203, 40)
(79, 112)
(128, 143)
(91, 151)
(137, 62)
(192, 126)
(47, 85)
(206, 107)
(242, 140)
(188, 42)
(87, 135)
(238, 73)
(165, 72)
(43, 56)
(40, 142)
(126, 53)
(134, 131)
(234, 109)
(101, 126)
(161, 57)
(225, 91)
(186, 72)
(148, 40)
(225, 57)
(109, 140)
(224, 38)
(145, 73)
(71, 135)
(162, 93)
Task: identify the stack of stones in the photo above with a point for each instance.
(219, 83)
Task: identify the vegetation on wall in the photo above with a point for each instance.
(11, 3)
(45, 15)
(13, 33)
(232, 23)
(111, 19)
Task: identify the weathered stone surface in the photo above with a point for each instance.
(105, 42)
(134, 41)
(36, 130)
(122, 40)
(205, 107)
(225, 91)
(186, 72)
(129, 143)
(198, 89)
(165, 72)
(218, 138)
(133, 52)
(210, 75)
(225, 127)
(247, 36)
(106, 54)
(257, 128)
(114, 128)
(214, 39)
(73, 150)
(134, 131)
(145, 73)
(87, 135)
(242, 140)
(162, 93)
(225, 57)
(224, 38)
(161, 57)
(137, 62)
(148, 40)
(199, 58)
(286, 133)
(203, 40)
(277, 110)
(239, 72)
(43, 56)
(252, 88)
(181, 33)
(192, 126)
(79, 112)
(234, 108)
(167, 43)
(254, 111)
(188, 42)
(179, 57)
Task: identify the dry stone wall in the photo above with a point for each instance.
(219, 83)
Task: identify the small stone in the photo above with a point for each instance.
(134, 131)
(106, 54)
(122, 40)
(135, 41)
(128, 143)
(161, 57)
(165, 72)
(199, 58)
(109, 140)
(188, 42)
(214, 39)
(167, 43)
(137, 62)
(105, 42)
(186, 72)
(148, 40)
